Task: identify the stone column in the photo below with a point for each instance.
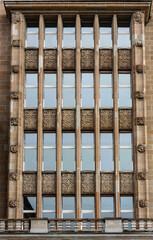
(139, 116)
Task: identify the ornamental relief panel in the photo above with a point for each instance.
(107, 183)
(49, 183)
(49, 119)
(138, 17)
(87, 183)
(30, 119)
(124, 59)
(87, 119)
(68, 119)
(31, 59)
(50, 59)
(68, 183)
(87, 59)
(29, 183)
(68, 59)
(16, 17)
(106, 119)
(105, 59)
(126, 183)
(15, 121)
(125, 119)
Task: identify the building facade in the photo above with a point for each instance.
(76, 118)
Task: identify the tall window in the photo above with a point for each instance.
(29, 207)
(124, 37)
(125, 99)
(30, 152)
(68, 90)
(106, 93)
(87, 90)
(87, 151)
(106, 152)
(49, 207)
(105, 37)
(31, 90)
(88, 207)
(87, 34)
(126, 163)
(126, 205)
(68, 207)
(50, 90)
(68, 151)
(68, 36)
(50, 37)
(32, 37)
(49, 154)
(107, 207)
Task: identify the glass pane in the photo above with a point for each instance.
(50, 29)
(30, 157)
(50, 139)
(68, 158)
(106, 79)
(124, 40)
(30, 139)
(88, 203)
(29, 203)
(126, 203)
(88, 139)
(51, 40)
(88, 159)
(87, 41)
(32, 40)
(107, 215)
(50, 79)
(87, 79)
(127, 215)
(49, 203)
(68, 203)
(32, 30)
(31, 79)
(125, 139)
(123, 30)
(105, 40)
(68, 215)
(107, 163)
(87, 97)
(106, 139)
(31, 97)
(69, 29)
(126, 160)
(69, 40)
(88, 215)
(107, 203)
(69, 139)
(29, 215)
(106, 97)
(49, 215)
(125, 97)
(68, 79)
(124, 79)
(68, 97)
(87, 29)
(49, 159)
(49, 97)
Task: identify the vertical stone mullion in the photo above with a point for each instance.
(40, 118)
(97, 121)
(59, 118)
(78, 122)
(116, 118)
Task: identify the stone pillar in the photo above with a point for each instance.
(139, 116)
(16, 116)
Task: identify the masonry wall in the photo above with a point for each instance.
(5, 29)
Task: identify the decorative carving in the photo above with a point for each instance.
(30, 119)
(139, 95)
(49, 122)
(68, 59)
(87, 59)
(50, 59)
(139, 43)
(126, 183)
(142, 203)
(68, 119)
(141, 148)
(13, 176)
(49, 183)
(87, 183)
(16, 43)
(29, 183)
(14, 95)
(15, 121)
(31, 59)
(16, 17)
(87, 119)
(105, 59)
(139, 68)
(107, 183)
(125, 119)
(138, 17)
(15, 68)
(14, 148)
(124, 59)
(141, 175)
(106, 119)
(13, 203)
(140, 121)
(68, 183)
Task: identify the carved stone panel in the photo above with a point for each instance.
(141, 148)
(68, 59)
(15, 68)
(50, 59)
(15, 95)
(106, 119)
(68, 119)
(13, 203)
(68, 183)
(31, 59)
(49, 183)
(139, 95)
(16, 17)
(105, 59)
(124, 59)
(87, 59)
(143, 203)
(30, 119)
(125, 119)
(15, 121)
(140, 68)
(13, 176)
(14, 148)
(107, 183)
(49, 119)
(87, 119)
(138, 17)
(87, 183)
(126, 183)
(16, 43)
(29, 183)
(140, 121)
(141, 175)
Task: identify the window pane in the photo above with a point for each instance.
(88, 159)
(69, 139)
(106, 139)
(88, 215)
(125, 139)
(107, 215)
(124, 40)
(50, 79)
(87, 79)
(51, 40)
(87, 41)
(49, 215)
(68, 97)
(107, 163)
(106, 99)
(32, 40)
(31, 79)
(126, 203)
(31, 140)
(29, 203)
(68, 203)
(88, 139)
(31, 97)
(107, 203)
(127, 215)
(88, 203)
(105, 37)
(49, 159)
(125, 97)
(68, 159)
(87, 97)
(69, 79)
(69, 40)
(126, 160)
(50, 139)
(124, 79)
(49, 203)
(49, 97)
(106, 79)
(30, 156)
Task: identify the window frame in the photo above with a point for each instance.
(48, 211)
(69, 211)
(50, 33)
(28, 211)
(107, 211)
(101, 33)
(87, 211)
(73, 33)
(125, 87)
(31, 33)
(29, 87)
(87, 25)
(123, 33)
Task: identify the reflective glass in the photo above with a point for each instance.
(31, 79)
(30, 139)
(88, 203)
(50, 139)
(68, 203)
(124, 79)
(49, 97)
(126, 203)
(69, 97)
(106, 97)
(32, 30)
(125, 97)
(107, 203)
(87, 139)
(127, 215)
(107, 214)
(88, 162)
(125, 139)
(68, 215)
(50, 79)
(69, 40)
(106, 156)
(105, 40)
(87, 97)
(32, 40)
(87, 40)
(69, 139)
(30, 157)
(88, 215)
(50, 40)
(49, 215)
(87, 29)
(49, 203)
(31, 97)
(69, 79)
(105, 79)
(126, 160)
(68, 158)
(106, 139)
(124, 37)
(87, 79)
(29, 203)
(49, 159)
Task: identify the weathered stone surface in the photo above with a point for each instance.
(14, 148)
(126, 183)
(50, 59)
(140, 121)
(15, 68)
(105, 59)
(143, 203)
(68, 59)
(15, 95)
(87, 119)
(125, 119)
(12, 176)
(139, 95)
(107, 183)
(16, 17)
(68, 119)
(141, 175)
(141, 148)
(31, 59)
(30, 119)
(87, 183)
(106, 119)
(138, 17)
(29, 183)
(15, 121)
(124, 59)
(49, 183)
(68, 183)
(87, 59)
(49, 119)
(13, 203)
